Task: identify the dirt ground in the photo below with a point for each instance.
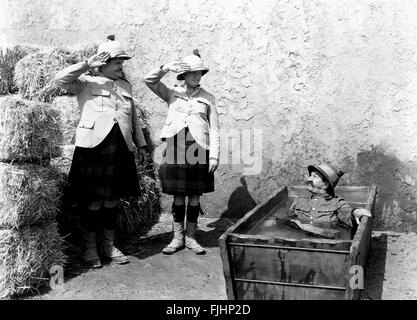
(150, 275)
(392, 267)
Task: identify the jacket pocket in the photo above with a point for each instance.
(328, 206)
(301, 207)
(100, 96)
(203, 100)
(86, 124)
(302, 204)
(202, 106)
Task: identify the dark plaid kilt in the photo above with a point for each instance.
(105, 172)
(185, 167)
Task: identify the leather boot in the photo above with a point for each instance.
(190, 241)
(90, 255)
(109, 250)
(177, 242)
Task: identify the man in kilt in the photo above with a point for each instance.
(191, 156)
(103, 168)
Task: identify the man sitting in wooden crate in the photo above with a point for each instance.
(323, 207)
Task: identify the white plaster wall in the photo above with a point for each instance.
(324, 80)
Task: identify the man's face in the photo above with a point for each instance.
(192, 78)
(113, 69)
(316, 182)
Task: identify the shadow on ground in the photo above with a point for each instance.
(375, 268)
(209, 229)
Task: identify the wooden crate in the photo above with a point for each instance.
(263, 264)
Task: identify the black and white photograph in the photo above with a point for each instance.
(208, 150)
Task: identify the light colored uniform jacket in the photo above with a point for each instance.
(103, 102)
(198, 112)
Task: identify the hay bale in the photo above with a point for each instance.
(8, 61)
(34, 74)
(26, 257)
(144, 114)
(140, 213)
(29, 131)
(84, 51)
(67, 108)
(29, 194)
(63, 162)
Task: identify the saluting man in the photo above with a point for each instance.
(103, 167)
(191, 156)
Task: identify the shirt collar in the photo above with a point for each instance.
(196, 91)
(321, 196)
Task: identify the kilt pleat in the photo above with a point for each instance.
(185, 166)
(105, 172)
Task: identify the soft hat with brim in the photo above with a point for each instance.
(114, 48)
(195, 63)
(329, 173)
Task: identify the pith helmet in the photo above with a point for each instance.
(195, 63)
(330, 173)
(113, 47)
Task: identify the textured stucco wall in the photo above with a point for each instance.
(324, 80)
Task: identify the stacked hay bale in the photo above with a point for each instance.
(30, 190)
(67, 108)
(8, 59)
(26, 256)
(34, 74)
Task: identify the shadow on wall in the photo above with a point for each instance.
(240, 202)
(396, 206)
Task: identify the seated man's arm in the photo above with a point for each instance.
(345, 213)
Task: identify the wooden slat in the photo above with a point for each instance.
(303, 243)
(259, 291)
(290, 284)
(227, 272)
(289, 266)
(237, 244)
(361, 244)
(259, 211)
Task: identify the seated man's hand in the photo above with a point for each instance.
(359, 213)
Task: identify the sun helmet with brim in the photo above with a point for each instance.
(114, 48)
(195, 63)
(329, 173)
